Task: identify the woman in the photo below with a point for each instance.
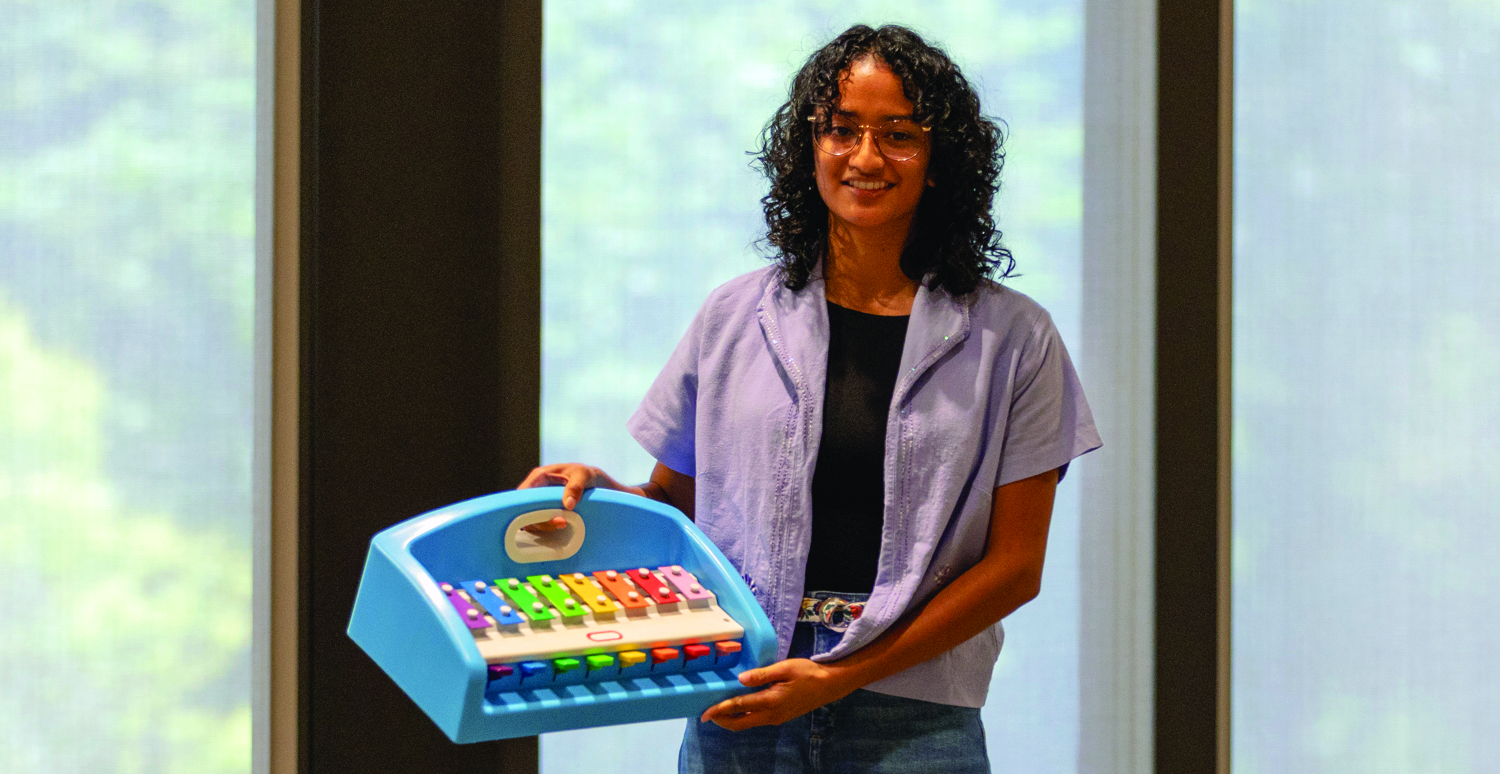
(871, 430)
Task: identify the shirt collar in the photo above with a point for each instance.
(796, 322)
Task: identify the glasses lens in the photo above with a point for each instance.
(901, 140)
(839, 137)
(898, 140)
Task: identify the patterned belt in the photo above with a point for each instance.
(834, 613)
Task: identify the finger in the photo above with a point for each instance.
(781, 670)
(754, 678)
(713, 712)
(724, 709)
(744, 721)
(739, 712)
(540, 477)
(551, 525)
(578, 478)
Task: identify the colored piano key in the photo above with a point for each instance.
(726, 654)
(687, 585)
(504, 612)
(660, 593)
(601, 666)
(562, 600)
(472, 615)
(504, 677)
(620, 587)
(592, 595)
(697, 656)
(633, 663)
(533, 608)
(536, 674)
(666, 659)
(567, 671)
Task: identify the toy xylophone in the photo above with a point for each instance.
(626, 614)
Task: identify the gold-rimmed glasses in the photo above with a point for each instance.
(898, 140)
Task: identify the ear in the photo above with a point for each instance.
(931, 183)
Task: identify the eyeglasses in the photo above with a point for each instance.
(899, 140)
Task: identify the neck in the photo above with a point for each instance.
(863, 268)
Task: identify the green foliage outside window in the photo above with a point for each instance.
(126, 291)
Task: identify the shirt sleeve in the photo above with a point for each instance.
(665, 423)
(1049, 422)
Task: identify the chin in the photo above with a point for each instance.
(872, 219)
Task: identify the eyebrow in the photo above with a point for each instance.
(883, 119)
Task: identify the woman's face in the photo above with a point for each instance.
(863, 189)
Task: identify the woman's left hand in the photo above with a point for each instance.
(794, 687)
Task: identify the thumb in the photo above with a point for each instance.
(754, 678)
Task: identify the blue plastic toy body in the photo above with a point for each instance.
(666, 649)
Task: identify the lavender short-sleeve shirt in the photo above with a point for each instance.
(986, 396)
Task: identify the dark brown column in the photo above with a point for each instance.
(1194, 126)
(420, 326)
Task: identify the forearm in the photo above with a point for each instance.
(1008, 576)
(974, 601)
(652, 490)
(670, 487)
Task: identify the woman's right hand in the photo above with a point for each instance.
(666, 485)
(574, 478)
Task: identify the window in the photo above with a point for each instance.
(1366, 360)
(127, 269)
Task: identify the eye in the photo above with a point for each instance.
(841, 131)
(903, 132)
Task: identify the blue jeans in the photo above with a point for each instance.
(862, 733)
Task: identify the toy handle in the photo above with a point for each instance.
(529, 547)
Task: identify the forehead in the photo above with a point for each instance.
(869, 91)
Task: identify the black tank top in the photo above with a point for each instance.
(848, 486)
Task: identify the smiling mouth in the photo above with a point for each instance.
(869, 185)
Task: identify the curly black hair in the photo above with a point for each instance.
(954, 243)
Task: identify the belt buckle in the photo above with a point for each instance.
(838, 614)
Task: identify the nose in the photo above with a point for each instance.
(867, 157)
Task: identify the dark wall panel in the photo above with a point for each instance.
(420, 325)
(1192, 346)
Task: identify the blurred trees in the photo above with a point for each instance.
(1366, 357)
(127, 164)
